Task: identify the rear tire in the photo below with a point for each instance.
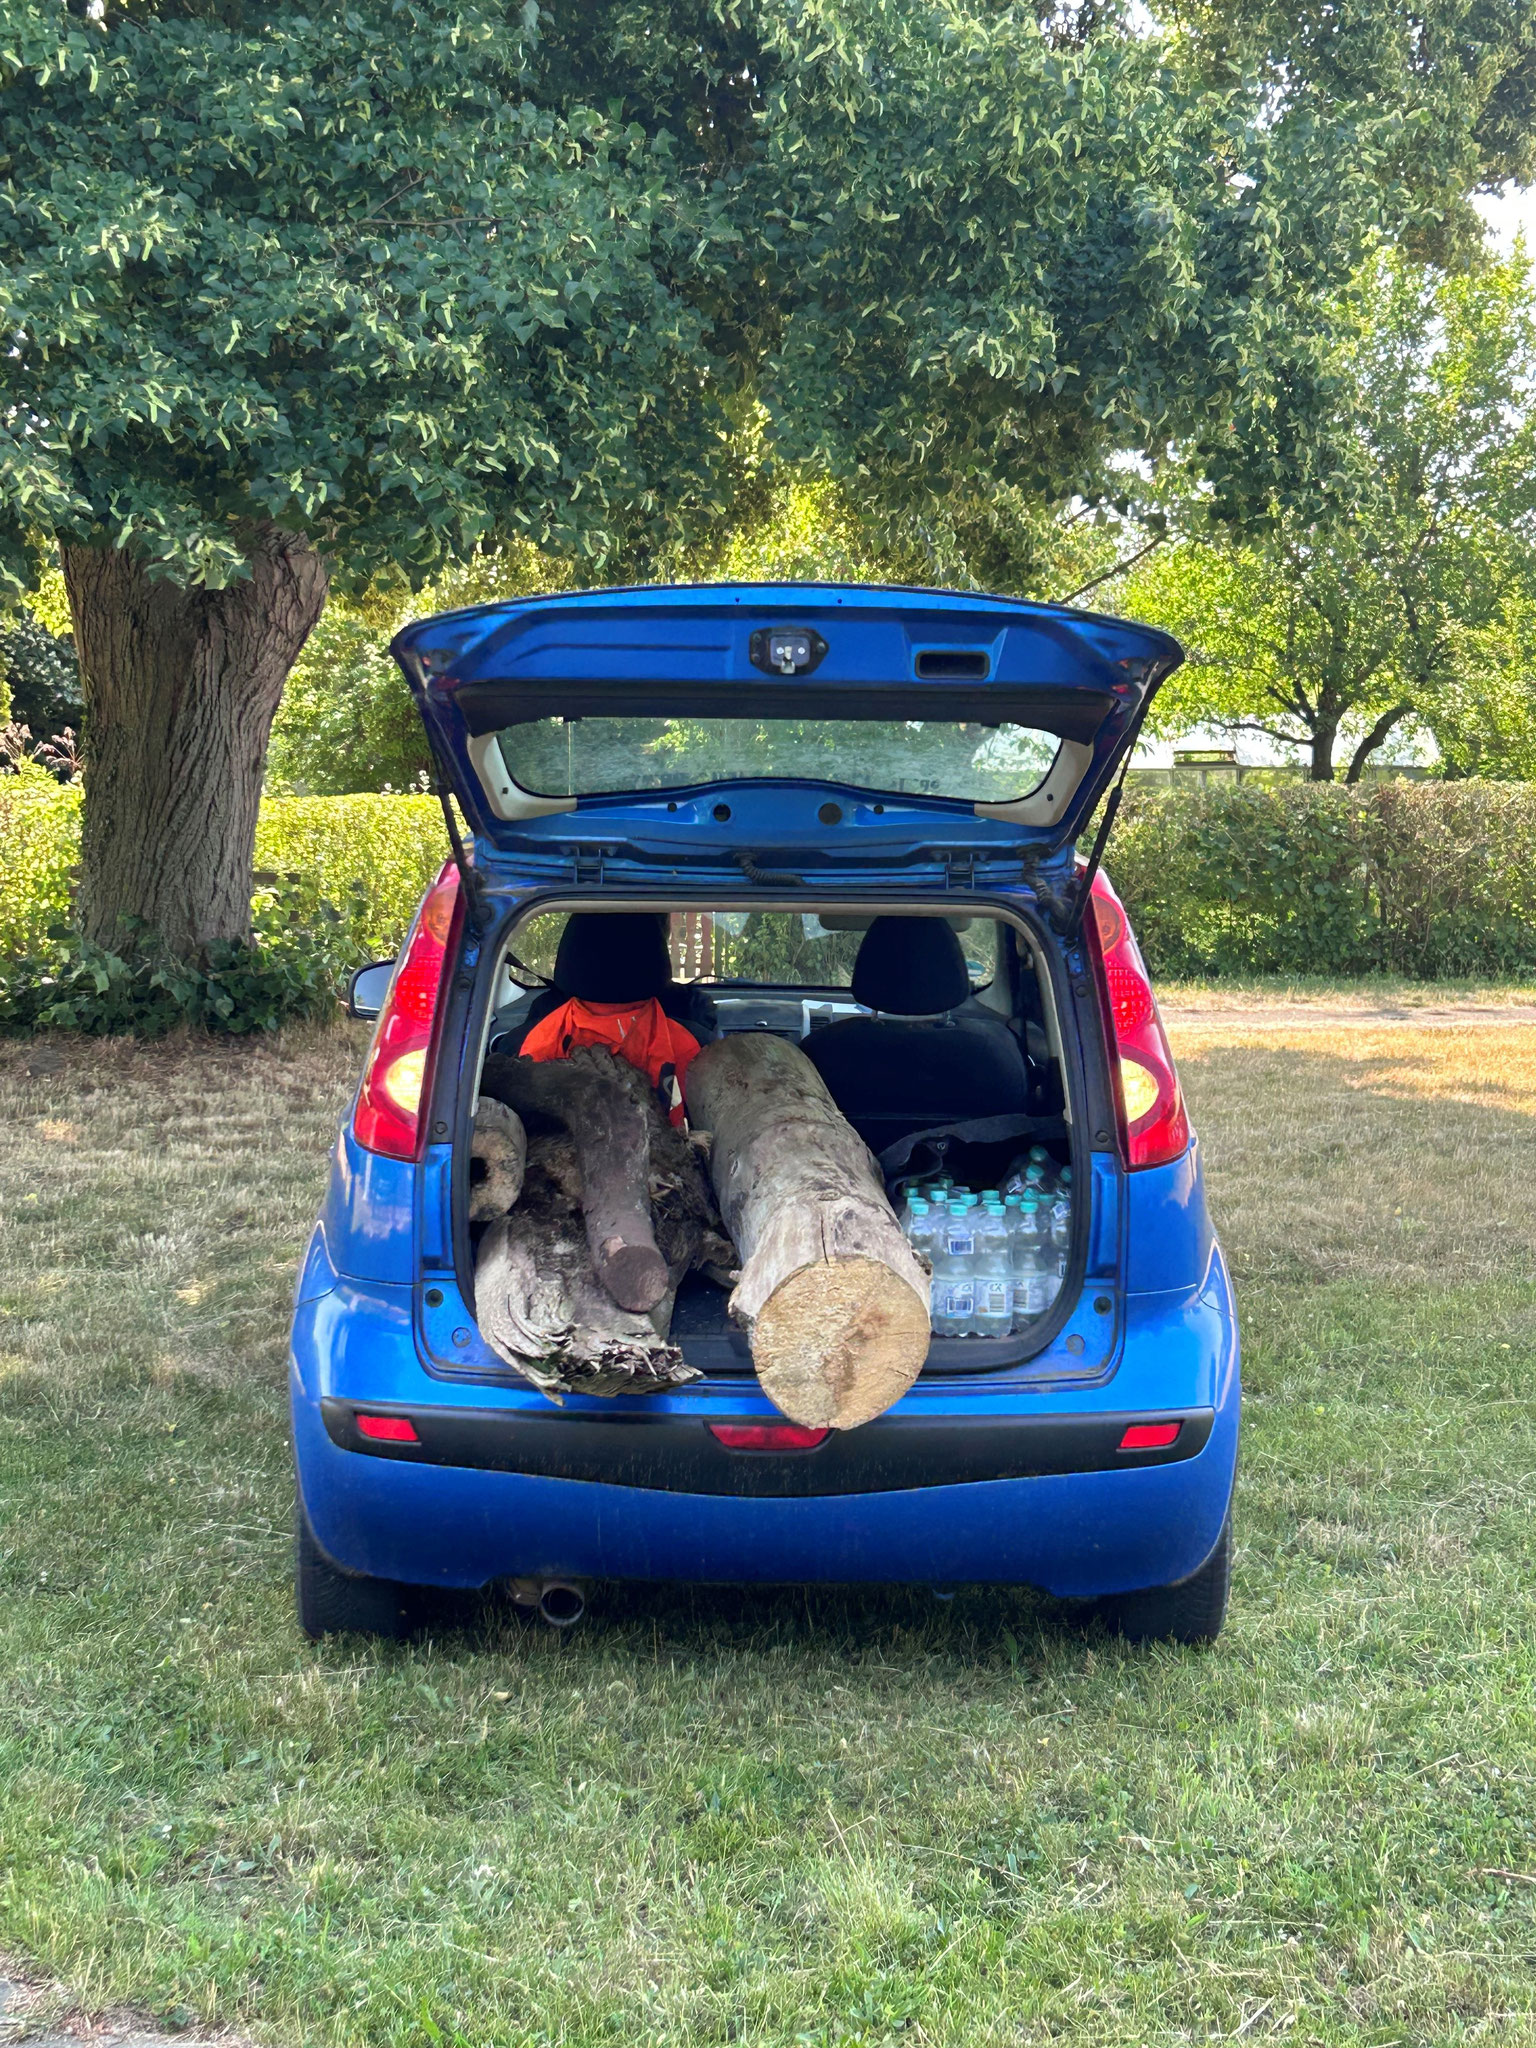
(332, 1603)
(1191, 1612)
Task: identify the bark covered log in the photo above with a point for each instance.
(610, 1129)
(498, 1160)
(180, 690)
(539, 1306)
(834, 1301)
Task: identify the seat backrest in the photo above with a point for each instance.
(910, 967)
(924, 1060)
(611, 956)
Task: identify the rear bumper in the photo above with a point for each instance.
(672, 1453)
(973, 1484)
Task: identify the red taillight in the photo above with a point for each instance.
(389, 1103)
(1153, 1119)
(767, 1436)
(1150, 1436)
(387, 1429)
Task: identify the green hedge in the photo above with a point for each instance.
(370, 856)
(1428, 879)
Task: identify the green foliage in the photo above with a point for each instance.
(983, 255)
(1412, 597)
(39, 846)
(1461, 75)
(947, 248)
(346, 722)
(39, 676)
(1430, 879)
(369, 857)
(294, 966)
(1433, 880)
(236, 288)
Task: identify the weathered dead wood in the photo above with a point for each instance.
(539, 1305)
(833, 1299)
(611, 1133)
(498, 1158)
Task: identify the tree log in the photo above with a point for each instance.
(610, 1130)
(835, 1303)
(498, 1159)
(539, 1306)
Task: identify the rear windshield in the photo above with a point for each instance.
(908, 757)
(774, 948)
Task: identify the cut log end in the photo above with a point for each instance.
(836, 1344)
(634, 1274)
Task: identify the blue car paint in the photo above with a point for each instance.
(364, 1337)
(1075, 1535)
(1152, 1330)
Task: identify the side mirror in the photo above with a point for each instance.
(368, 988)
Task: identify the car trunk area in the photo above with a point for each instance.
(938, 1034)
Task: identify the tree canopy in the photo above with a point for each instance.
(293, 296)
(1403, 600)
(336, 270)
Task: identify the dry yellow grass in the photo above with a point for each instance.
(1392, 1152)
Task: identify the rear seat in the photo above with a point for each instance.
(614, 956)
(932, 1055)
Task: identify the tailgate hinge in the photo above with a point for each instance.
(960, 867)
(587, 866)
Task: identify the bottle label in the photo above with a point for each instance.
(961, 1244)
(995, 1299)
(957, 1301)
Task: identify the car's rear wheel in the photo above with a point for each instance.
(335, 1603)
(1191, 1612)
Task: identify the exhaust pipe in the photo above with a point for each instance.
(561, 1602)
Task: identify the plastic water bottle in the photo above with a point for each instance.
(917, 1226)
(1034, 1286)
(954, 1274)
(994, 1273)
(1060, 1214)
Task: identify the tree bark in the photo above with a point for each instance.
(1379, 732)
(835, 1303)
(1323, 738)
(539, 1306)
(591, 1094)
(498, 1160)
(180, 690)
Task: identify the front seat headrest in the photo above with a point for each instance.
(613, 956)
(910, 967)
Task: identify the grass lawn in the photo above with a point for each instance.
(795, 1817)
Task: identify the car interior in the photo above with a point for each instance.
(936, 1035)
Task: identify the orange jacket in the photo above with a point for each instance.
(641, 1033)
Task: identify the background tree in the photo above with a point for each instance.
(298, 297)
(285, 291)
(1390, 606)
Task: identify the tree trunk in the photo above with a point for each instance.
(1323, 739)
(539, 1306)
(180, 690)
(595, 1097)
(835, 1303)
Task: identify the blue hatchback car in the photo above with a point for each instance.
(853, 816)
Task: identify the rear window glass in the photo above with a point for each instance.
(776, 948)
(908, 757)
